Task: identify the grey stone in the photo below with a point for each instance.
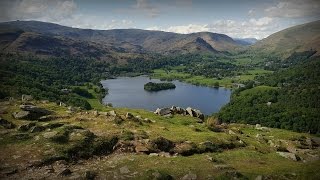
(112, 113)
(189, 176)
(289, 155)
(21, 115)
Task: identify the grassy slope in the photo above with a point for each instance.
(255, 159)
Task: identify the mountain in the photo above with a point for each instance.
(116, 40)
(299, 38)
(246, 41)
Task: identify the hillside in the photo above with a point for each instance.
(295, 39)
(286, 99)
(40, 139)
(131, 40)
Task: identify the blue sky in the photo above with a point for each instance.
(236, 18)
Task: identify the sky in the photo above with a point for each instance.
(236, 18)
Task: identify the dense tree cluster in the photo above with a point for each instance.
(150, 86)
(45, 78)
(289, 99)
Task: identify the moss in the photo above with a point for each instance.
(127, 135)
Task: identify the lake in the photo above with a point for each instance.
(128, 92)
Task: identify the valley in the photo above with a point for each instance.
(73, 104)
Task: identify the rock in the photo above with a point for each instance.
(65, 172)
(129, 115)
(168, 115)
(231, 132)
(161, 144)
(190, 112)
(156, 175)
(95, 113)
(173, 109)
(153, 154)
(47, 118)
(147, 120)
(30, 112)
(49, 135)
(163, 111)
(117, 119)
(195, 113)
(289, 155)
(189, 176)
(21, 115)
(199, 114)
(259, 177)
(141, 149)
(185, 148)
(35, 109)
(37, 129)
(124, 170)
(258, 126)
(25, 97)
(112, 113)
(26, 127)
(6, 124)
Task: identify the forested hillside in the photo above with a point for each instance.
(288, 99)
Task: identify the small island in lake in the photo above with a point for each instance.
(150, 86)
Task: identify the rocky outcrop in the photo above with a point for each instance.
(289, 155)
(163, 111)
(31, 112)
(178, 110)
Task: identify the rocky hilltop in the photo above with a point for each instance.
(40, 139)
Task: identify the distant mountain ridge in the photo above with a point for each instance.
(116, 40)
(246, 41)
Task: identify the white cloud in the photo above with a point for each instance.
(294, 9)
(64, 12)
(258, 28)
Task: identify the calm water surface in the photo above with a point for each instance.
(129, 92)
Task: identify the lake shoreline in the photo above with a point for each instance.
(129, 92)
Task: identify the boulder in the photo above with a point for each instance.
(6, 124)
(21, 115)
(161, 144)
(198, 114)
(26, 127)
(95, 113)
(25, 97)
(112, 113)
(289, 155)
(31, 112)
(185, 148)
(35, 109)
(163, 111)
(37, 129)
(189, 176)
(129, 116)
(140, 148)
(49, 135)
(190, 112)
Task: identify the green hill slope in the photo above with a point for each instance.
(295, 39)
(293, 95)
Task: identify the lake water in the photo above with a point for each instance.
(129, 92)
